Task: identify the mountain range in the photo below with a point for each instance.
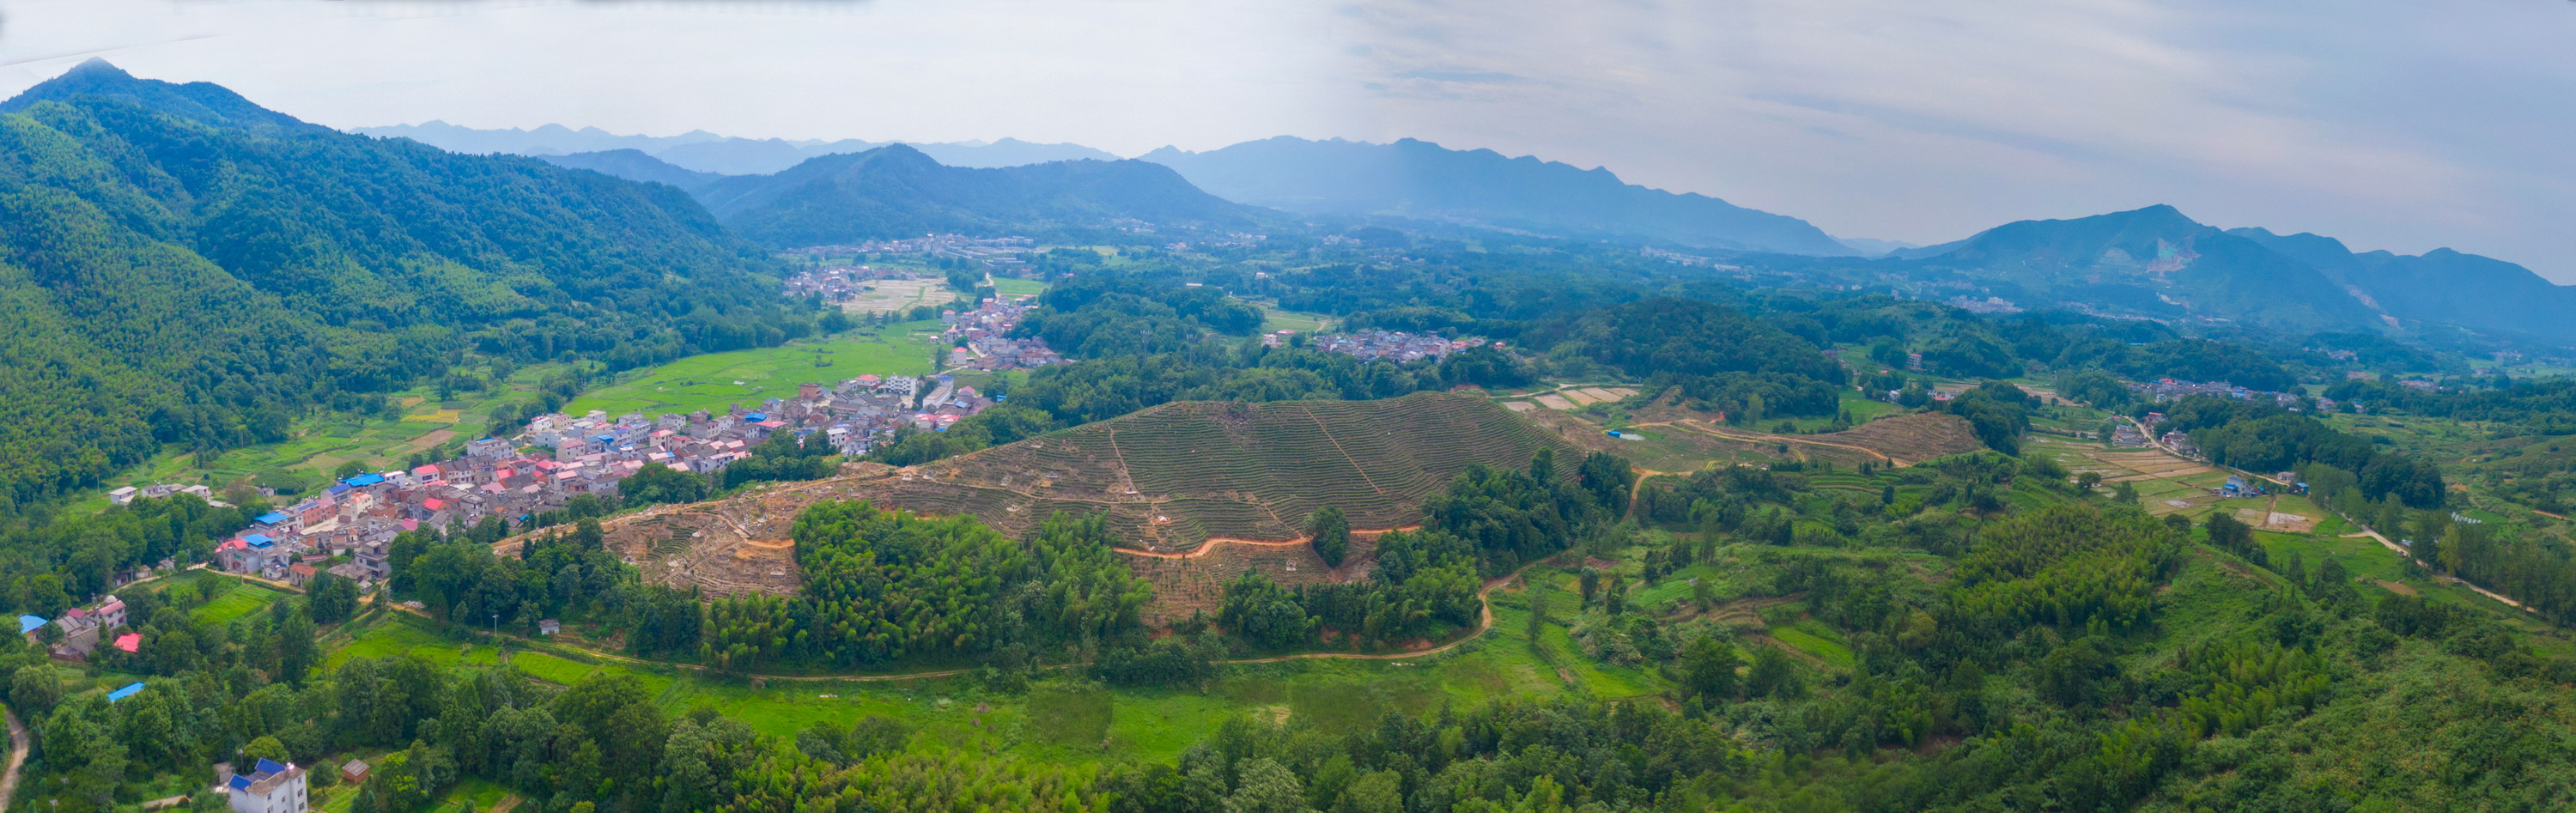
(898, 191)
(701, 151)
(1411, 179)
(2156, 262)
(1422, 180)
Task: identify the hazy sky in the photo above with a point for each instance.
(2394, 124)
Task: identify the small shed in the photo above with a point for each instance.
(549, 626)
(353, 772)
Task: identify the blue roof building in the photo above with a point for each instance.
(129, 691)
(363, 480)
(270, 518)
(259, 540)
(29, 623)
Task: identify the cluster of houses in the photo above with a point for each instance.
(2168, 389)
(982, 338)
(127, 494)
(1383, 345)
(561, 456)
(840, 282)
(81, 628)
(988, 252)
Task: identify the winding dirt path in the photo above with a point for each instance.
(1212, 542)
(1484, 624)
(17, 759)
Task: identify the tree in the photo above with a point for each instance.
(2088, 481)
(1772, 674)
(266, 747)
(331, 599)
(657, 483)
(1330, 533)
(1708, 668)
(1262, 785)
(34, 690)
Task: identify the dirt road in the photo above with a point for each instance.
(17, 759)
(1484, 624)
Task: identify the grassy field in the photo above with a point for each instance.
(713, 381)
(1273, 320)
(1013, 286)
(239, 601)
(395, 634)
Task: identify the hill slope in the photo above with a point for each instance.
(2153, 260)
(897, 191)
(1423, 180)
(1169, 478)
(178, 265)
(2442, 285)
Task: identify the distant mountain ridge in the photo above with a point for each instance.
(897, 191)
(2155, 261)
(1422, 180)
(702, 151)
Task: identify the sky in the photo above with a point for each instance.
(2390, 124)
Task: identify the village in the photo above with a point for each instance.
(1382, 345)
(346, 529)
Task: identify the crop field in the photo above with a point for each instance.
(1274, 320)
(898, 295)
(1014, 286)
(716, 380)
(1677, 439)
(241, 600)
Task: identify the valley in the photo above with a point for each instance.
(555, 470)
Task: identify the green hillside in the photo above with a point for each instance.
(179, 266)
(1175, 475)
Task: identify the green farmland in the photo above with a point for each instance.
(712, 381)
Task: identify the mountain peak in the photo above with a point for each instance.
(100, 68)
(206, 102)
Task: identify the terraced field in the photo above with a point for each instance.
(1195, 487)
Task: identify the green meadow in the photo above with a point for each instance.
(716, 380)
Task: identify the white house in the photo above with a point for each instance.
(269, 788)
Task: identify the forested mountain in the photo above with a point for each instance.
(897, 191)
(634, 165)
(2152, 260)
(2155, 262)
(1426, 181)
(2439, 286)
(702, 151)
(178, 265)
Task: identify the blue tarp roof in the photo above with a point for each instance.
(364, 480)
(603, 438)
(270, 518)
(128, 691)
(258, 540)
(756, 417)
(29, 623)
